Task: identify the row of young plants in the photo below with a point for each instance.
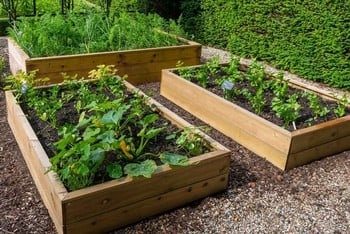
(52, 35)
(264, 93)
(101, 130)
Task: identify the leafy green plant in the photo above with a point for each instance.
(232, 76)
(50, 35)
(314, 104)
(279, 86)
(304, 37)
(340, 110)
(202, 76)
(213, 65)
(199, 74)
(256, 77)
(112, 133)
(287, 110)
(185, 72)
(190, 140)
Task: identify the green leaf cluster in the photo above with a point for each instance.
(110, 134)
(52, 35)
(309, 38)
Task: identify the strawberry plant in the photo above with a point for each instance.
(108, 132)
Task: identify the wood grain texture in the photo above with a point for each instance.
(51, 190)
(116, 194)
(148, 207)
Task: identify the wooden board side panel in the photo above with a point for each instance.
(83, 204)
(228, 118)
(320, 134)
(17, 57)
(134, 63)
(51, 191)
(137, 73)
(317, 152)
(148, 207)
(88, 61)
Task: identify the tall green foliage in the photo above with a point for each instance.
(309, 38)
(73, 33)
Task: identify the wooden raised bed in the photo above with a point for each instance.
(116, 203)
(279, 146)
(141, 65)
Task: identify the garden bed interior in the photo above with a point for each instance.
(141, 65)
(283, 148)
(119, 202)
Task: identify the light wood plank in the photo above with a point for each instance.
(318, 152)
(51, 190)
(85, 203)
(151, 206)
(320, 134)
(124, 58)
(137, 73)
(17, 57)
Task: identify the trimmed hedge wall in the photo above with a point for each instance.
(309, 38)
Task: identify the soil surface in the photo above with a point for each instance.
(314, 198)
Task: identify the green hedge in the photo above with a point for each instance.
(309, 38)
(4, 24)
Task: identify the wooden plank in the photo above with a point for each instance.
(320, 134)
(51, 190)
(88, 202)
(151, 206)
(138, 73)
(17, 57)
(318, 152)
(122, 58)
(260, 136)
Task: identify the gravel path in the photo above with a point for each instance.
(314, 198)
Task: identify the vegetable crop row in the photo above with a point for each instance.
(262, 93)
(50, 35)
(102, 131)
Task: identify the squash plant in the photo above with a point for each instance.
(106, 131)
